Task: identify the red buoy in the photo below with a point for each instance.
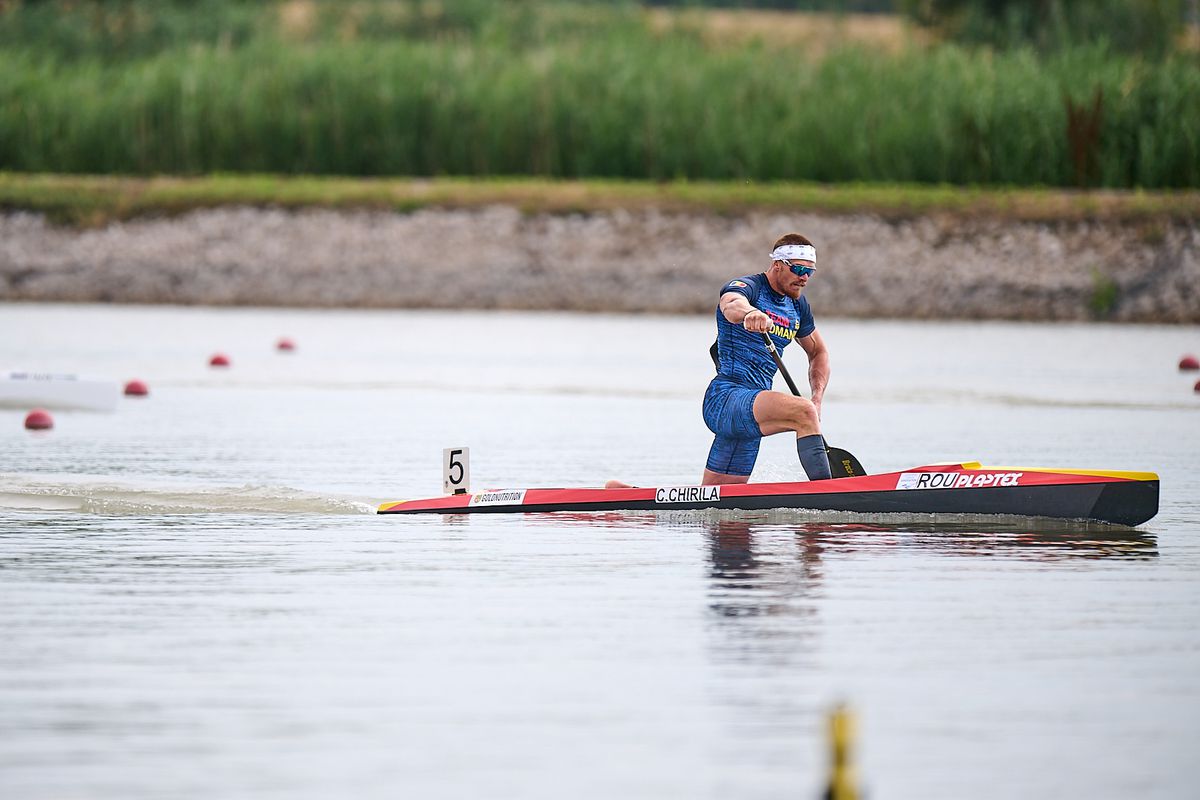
(1196, 388)
(136, 388)
(285, 345)
(1189, 362)
(39, 420)
(219, 360)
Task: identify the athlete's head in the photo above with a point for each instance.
(791, 238)
(793, 261)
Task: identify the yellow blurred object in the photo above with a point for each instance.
(842, 782)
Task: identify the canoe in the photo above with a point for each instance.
(25, 390)
(1116, 497)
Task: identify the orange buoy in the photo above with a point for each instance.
(39, 420)
(1189, 362)
(285, 345)
(219, 360)
(136, 388)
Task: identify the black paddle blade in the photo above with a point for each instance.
(842, 464)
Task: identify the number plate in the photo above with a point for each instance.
(456, 470)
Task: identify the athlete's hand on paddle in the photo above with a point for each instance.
(757, 321)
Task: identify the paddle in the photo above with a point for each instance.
(841, 463)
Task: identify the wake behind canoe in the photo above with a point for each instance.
(1116, 497)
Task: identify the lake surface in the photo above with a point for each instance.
(197, 601)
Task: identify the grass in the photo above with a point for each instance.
(653, 111)
(1105, 294)
(567, 91)
(96, 200)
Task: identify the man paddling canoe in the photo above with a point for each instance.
(739, 406)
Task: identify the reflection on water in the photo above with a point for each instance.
(1012, 538)
(743, 582)
(1002, 537)
(766, 579)
(765, 570)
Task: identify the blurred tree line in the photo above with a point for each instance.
(845, 6)
(1148, 27)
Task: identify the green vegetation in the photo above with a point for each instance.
(474, 88)
(1145, 27)
(96, 200)
(1105, 292)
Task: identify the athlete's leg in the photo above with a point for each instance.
(713, 478)
(729, 413)
(814, 457)
(730, 460)
(776, 412)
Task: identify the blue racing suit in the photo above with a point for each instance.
(745, 368)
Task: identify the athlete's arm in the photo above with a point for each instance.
(737, 309)
(818, 366)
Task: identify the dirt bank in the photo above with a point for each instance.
(498, 257)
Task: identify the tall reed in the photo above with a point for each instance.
(611, 104)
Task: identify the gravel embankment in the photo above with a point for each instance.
(607, 261)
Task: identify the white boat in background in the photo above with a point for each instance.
(24, 390)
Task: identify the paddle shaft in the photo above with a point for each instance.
(787, 376)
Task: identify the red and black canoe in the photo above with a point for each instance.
(1120, 498)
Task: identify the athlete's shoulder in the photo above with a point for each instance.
(747, 285)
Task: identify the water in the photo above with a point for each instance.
(196, 600)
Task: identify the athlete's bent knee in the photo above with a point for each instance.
(804, 416)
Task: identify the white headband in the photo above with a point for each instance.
(794, 252)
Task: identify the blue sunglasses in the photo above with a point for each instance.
(799, 269)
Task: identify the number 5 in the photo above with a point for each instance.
(456, 470)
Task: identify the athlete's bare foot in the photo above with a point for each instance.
(618, 485)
